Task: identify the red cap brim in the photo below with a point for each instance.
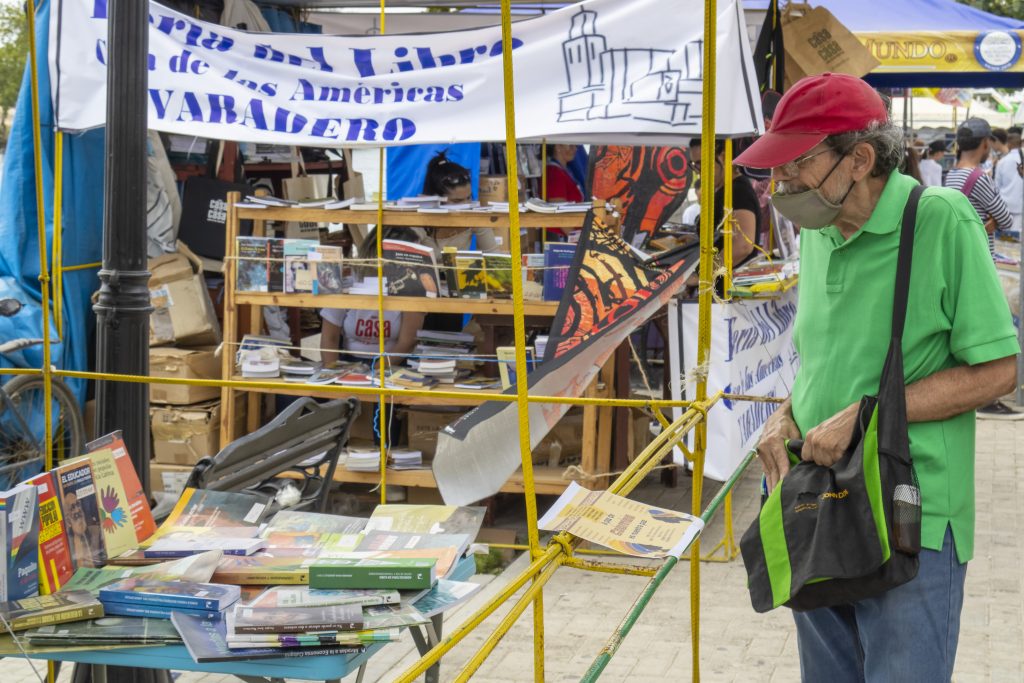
(776, 149)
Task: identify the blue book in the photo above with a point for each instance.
(126, 609)
(558, 258)
(176, 594)
(19, 542)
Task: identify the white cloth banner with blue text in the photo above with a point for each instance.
(752, 353)
(597, 71)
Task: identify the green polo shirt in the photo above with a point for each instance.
(957, 315)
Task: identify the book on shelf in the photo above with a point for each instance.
(208, 508)
(298, 619)
(442, 337)
(558, 258)
(329, 270)
(263, 569)
(427, 519)
(360, 459)
(206, 641)
(507, 364)
(540, 345)
(55, 566)
(133, 609)
(471, 274)
(478, 383)
(119, 534)
(397, 573)
(100, 632)
(252, 273)
(50, 609)
(275, 264)
(380, 617)
(19, 541)
(448, 269)
(444, 595)
(138, 503)
(300, 368)
(304, 596)
(410, 269)
(268, 200)
(533, 277)
(498, 275)
(390, 541)
(179, 594)
(405, 459)
(254, 366)
(80, 507)
(337, 204)
(183, 544)
(298, 269)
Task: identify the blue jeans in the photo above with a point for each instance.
(907, 634)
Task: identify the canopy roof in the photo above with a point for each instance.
(907, 15)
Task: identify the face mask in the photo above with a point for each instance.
(810, 209)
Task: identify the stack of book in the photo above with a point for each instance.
(405, 459)
(362, 459)
(299, 370)
(540, 206)
(43, 610)
(445, 356)
(142, 597)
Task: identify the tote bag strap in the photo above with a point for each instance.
(903, 262)
(892, 403)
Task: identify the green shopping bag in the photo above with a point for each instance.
(828, 536)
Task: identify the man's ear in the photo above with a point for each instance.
(863, 156)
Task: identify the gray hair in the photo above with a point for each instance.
(886, 137)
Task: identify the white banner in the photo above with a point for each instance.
(752, 353)
(601, 70)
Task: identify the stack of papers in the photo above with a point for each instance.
(362, 459)
(406, 459)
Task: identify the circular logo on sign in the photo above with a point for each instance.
(997, 50)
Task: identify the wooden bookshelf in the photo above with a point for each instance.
(597, 422)
(415, 219)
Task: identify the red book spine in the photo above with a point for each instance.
(55, 566)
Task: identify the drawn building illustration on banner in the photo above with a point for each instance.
(641, 83)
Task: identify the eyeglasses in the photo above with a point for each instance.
(797, 164)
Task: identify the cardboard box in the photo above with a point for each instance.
(421, 428)
(182, 435)
(198, 363)
(493, 188)
(182, 310)
(168, 478)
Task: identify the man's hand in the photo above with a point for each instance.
(771, 448)
(990, 225)
(826, 443)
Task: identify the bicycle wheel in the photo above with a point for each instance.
(25, 398)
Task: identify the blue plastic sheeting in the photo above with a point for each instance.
(407, 166)
(83, 224)
(907, 15)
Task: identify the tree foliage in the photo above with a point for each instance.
(1005, 8)
(13, 54)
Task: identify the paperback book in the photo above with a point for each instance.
(106, 631)
(498, 275)
(304, 596)
(182, 544)
(410, 269)
(131, 609)
(263, 570)
(206, 508)
(533, 277)
(275, 264)
(444, 595)
(206, 641)
(138, 503)
(19, 541)
(328, 270)
(397, 573)
(298, 269)
(507, 364)
(298, 619)
(315, 522)
(380, 617)
(427, 519)
(252, 272)
(55, 567)
(115, 518)
(180, 594)
(377, 541)
(57, 608)
(558, 258)
(471, 275)
(81, 513)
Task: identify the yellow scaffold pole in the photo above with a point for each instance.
(57, 259)
(382, 358)
(44, 275)
(707, 221)
(730, 219)
(519, 328)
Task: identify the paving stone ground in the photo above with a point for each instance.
(583, 608)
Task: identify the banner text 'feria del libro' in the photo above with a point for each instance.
(600, 70)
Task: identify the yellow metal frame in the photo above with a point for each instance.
(562, 548)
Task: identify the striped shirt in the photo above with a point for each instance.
(984, 198)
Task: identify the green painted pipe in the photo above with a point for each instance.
(612, 646)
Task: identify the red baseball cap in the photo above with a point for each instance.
(814, 108)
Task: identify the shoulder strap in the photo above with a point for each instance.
(971, 181)
(903, 262)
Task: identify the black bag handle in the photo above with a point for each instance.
(903, 262)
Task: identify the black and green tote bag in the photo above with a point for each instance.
(828, 536)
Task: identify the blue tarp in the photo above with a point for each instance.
(83, 224)
(407, 166)
(907, 15)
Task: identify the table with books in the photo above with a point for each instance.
(225, 584)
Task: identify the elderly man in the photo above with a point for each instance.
(834, 153)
